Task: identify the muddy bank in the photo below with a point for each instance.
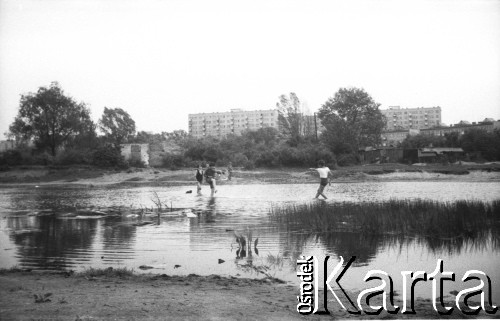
(88, 177)
(24, 296)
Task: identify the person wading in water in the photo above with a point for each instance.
(199, 177)
(210, 174)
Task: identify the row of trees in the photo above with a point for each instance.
(481, 144)
(51, 120)
(351, 119)
(62, 128)
(56, 123)
(265, 147)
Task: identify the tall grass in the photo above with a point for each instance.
(108, 272)
(402, 217)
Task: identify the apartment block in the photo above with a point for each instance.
(233, 122)
(412, 118)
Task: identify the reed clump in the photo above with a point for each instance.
(405, 217)
(108, 272)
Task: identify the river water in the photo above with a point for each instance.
(39, 230)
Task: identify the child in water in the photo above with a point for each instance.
(199, 177)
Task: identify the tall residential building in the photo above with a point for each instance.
(234, 122)
(412, 118)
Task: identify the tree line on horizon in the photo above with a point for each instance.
(63, 133)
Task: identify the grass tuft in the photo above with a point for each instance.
(108, 272)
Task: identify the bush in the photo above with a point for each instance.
(249, 165)
(239, 159)
(173, 161)
(136, 163)
(108, 156)
(347, 160)
(221, 163)
(212, 154)
(11, 157)
(268, 158)
(25, 156)
(31, 158)
(194, 163)
(313, 153)
(292, 156)
(73, 156)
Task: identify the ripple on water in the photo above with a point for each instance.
(33, 235)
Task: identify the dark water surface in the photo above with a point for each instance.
(47, 228)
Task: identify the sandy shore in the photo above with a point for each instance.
(162, 297)
(88, 177)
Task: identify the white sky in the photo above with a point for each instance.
(161, 60)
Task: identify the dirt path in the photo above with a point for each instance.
(161, 297)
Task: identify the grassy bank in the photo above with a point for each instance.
(67, 175)
(404, 217)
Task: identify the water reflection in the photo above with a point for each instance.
(118, 236)
(36, 232)
(211, 211)
(45, 242)
(44, 198)
(394, 254)
(367, 246)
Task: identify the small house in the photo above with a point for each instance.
(134, 153)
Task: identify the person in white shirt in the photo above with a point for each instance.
(324, 175)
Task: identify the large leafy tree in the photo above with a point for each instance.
(50, 118)
(290, 117)
(117, 125)
(294, 124)
(352, 119)
(477, 140)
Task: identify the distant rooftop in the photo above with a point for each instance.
(236, 110)
(399, 107)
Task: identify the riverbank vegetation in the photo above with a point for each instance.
(402, 217)
(478, 144)
(91, 175)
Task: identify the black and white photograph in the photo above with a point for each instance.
(249, 160)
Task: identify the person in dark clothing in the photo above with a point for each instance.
(210, 175)
(229, 171)
(199, 177)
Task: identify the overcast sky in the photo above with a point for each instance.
(161, 60)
